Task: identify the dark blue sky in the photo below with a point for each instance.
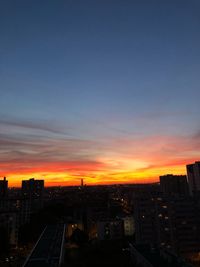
(100, 69)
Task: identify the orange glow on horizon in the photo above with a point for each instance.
(136, 160)
(95, 178)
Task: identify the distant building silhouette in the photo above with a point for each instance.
(193, 174)
(174, 185)
(9, 217)
(3, 188)
(33, 190)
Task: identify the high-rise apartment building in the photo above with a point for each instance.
(3, 188)
(168, 222)
(193, 174)
(33, 190)
(176, 185)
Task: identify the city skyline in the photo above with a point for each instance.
(105, 91)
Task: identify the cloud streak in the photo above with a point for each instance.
(39, 125)
(107, 161)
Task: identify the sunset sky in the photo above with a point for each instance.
(106, 90)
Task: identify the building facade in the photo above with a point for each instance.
(33, 191)
(193, 175)
(176, 185)
(168, 222)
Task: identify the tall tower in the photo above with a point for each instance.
(193, 174)
(3, 188)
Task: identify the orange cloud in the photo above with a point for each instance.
(63, 161)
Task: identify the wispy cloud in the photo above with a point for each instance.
(39, 125)
(122, 158)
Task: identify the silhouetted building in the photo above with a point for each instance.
(3, 188)
(9, 220)
(33, 190)
(174, 185)
(171, 223)
(193, 174)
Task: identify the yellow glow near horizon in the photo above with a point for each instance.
(92, 178)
